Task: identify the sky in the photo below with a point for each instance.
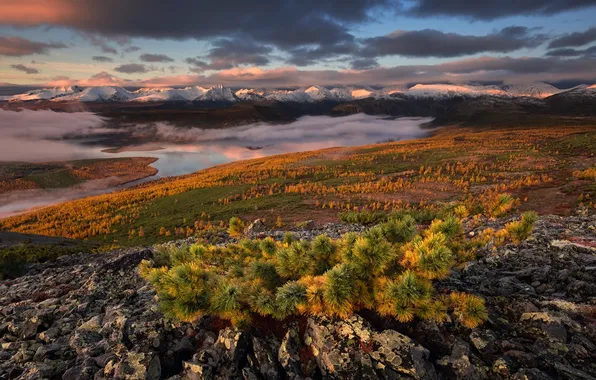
(293, 43)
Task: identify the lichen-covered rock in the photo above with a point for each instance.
(349, 349)
(265, 357)
(462, 364)
(92, 317)
(289, 355)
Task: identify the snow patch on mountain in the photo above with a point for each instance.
(249, 94)
(45, 94)
(361, 93)
(218, 93)
(449, 90)
(160, 95)
(98, 94)
(534, 90)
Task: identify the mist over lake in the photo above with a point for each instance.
(42, 136)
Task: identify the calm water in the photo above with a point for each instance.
(48, 136)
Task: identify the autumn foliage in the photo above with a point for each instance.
(389, 268)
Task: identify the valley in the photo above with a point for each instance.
(469, 165)
(24, 186)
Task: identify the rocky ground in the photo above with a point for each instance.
(91, 316)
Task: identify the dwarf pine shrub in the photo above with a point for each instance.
(362, 217)
(389, 269)
(521, 229)
(236, 227)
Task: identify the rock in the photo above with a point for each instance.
(265, 357)
(530, 374)
(350, 349)
(289, 354)
(571, 373)
(92, 316)
(465, 365)
(255, 227)
(341, 348)
(196, 371)
(80, 372)
(137, 366)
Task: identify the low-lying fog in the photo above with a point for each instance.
(38, 136)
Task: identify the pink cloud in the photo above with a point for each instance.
(35, 12)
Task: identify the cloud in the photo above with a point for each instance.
(472, 70)
(131, 68)
(25, 69)
(570, 52)
(18, 46)
(490, 10)
(304, 56)
(102, 58)
(364, 63)
(351, 130)
(99, 79)
(226, 53)
(433, 43)
(574, 39)
(180, 19)
(101, 42)
(155, 58)
(131, 49)
(35, 135)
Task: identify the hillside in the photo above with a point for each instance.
(16, 176)
(92, 316)
(536, 165)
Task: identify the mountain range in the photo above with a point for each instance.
(312, 94)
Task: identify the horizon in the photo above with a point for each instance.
(272, 44)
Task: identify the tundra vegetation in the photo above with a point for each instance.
(390, 269)
(489, 171)
(16, 176)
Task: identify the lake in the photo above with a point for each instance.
(41, 136)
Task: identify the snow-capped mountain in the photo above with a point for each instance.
(218, 93)
(534, 90)
(167, 94)
(582, 92)
(312, 94)
(449, 91)
(46, 93)
(390, 90)
(249, 94)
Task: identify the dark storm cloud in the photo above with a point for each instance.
(25, 69)
(155, 58)
(18, 46)
(239, 51)
(364, 63)
(574, 39)
(226, 53)
(102, 58)
(131, 68)
(304, 56)
(433, 43)
(490, 10)
(283, 23)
